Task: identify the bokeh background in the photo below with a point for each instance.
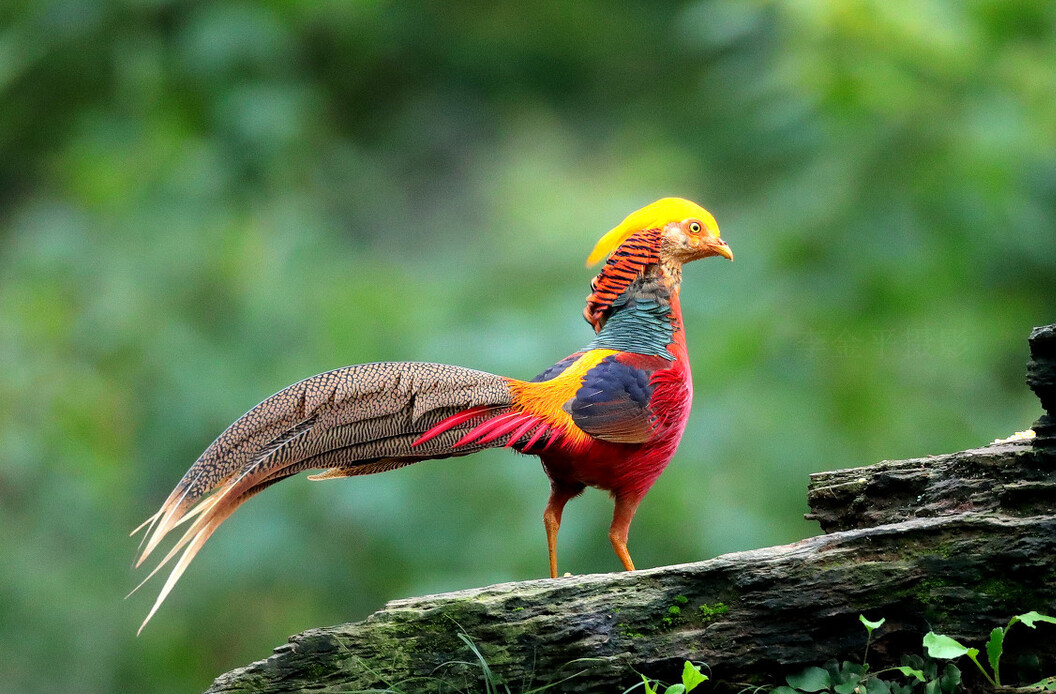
(202, 202)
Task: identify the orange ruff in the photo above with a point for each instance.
(623, 267)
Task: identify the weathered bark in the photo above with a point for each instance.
(1015, 479)
(1041, 377)
(955, 543)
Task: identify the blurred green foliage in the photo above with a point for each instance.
(202, 202)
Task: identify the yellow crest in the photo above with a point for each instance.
(652, 216)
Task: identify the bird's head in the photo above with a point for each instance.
(686, 232)
(660, 237)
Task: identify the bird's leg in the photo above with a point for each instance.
(559, 496)
(621, 524)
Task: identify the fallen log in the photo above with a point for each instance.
(956, 544)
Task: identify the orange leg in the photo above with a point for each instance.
(621, 525)
(559, 496)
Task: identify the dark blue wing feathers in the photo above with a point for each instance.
(612, 404)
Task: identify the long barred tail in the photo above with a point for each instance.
(351, 421)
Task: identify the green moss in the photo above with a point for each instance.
(944, 550)
(626, 632)
(674, 612)
(924, 589)
(674, 616)
(316, 671)
(996, 588)
(495, 654)
(709, 613)
(924, 593)
(1012, 594)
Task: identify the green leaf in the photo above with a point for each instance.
(932, 687)
(846, 687)
(1048, 684)
(812, 679)
(951, 679)
(676, 689)
(910, 672)
(940, 646)
(871, 626)
(1031, 617)
(972, 653)
(853, 669)
(994, 647)
(692, 676)
(648, 687)
(875, 685)
(848, 672)
(914, 661)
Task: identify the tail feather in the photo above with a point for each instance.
(383, 465)
(356, 420)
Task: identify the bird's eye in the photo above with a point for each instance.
(695, 227)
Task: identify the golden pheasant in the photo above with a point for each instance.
(608, 416)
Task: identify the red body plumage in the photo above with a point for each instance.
(630, 469)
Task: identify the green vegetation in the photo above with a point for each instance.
(203, 202)
(692, 677)
(919, 675)
(709, 613)
(852, 678)
(674, 612)
(473, 673)
(916, 675)
(627, 632)
(947, 648)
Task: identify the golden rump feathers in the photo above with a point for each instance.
(653, 216)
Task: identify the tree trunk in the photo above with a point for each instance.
(956, 543)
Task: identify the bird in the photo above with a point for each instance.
(608, 416)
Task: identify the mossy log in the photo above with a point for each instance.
(751, 616)
(956, 544)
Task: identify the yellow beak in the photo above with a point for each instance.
(720, 247)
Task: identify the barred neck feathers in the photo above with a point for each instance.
(623, 267)
(630, 301)
(642, 319)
